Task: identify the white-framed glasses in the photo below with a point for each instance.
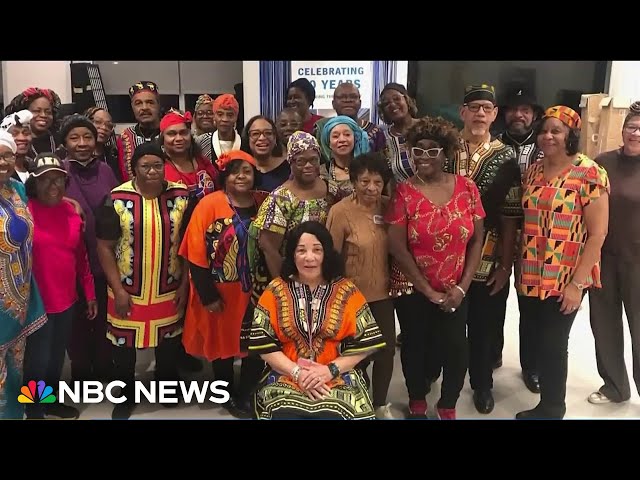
(418, 152)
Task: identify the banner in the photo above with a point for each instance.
(325, 76)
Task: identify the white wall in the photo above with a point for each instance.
(251, 88)
(210, 77)
(17, 76)
(625, 80)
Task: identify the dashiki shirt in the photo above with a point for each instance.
(343, 188)
(555, 231)
(397, 154)
(131, 138)
(332, 321)
(147, 235)
(494, 169)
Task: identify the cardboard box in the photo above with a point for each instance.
(590, 115)
(612, 114)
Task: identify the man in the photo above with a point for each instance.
(521, 114)
(225, 138)
(493, 167)
(145, 103)
(347, 101)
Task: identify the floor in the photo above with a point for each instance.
(511, 396)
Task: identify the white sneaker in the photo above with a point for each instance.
(598, 398)
(384, 412)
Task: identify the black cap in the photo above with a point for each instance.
(46, 162)
(147, 148)
(521, 95)
(75, 121)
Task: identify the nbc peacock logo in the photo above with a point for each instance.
(36, 392)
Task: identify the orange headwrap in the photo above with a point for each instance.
(224, 159)
(174, 117)
(566, 115)
(227, 101)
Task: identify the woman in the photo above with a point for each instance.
(271, 161)
(19, 126)
(566, 212)
(148, 288)
(204, 116)
(21, 308)
(620, 272)
(288, 122)
(215, 247)
(312, 327)
(302, 198)
(90, 181)
(435, 236)
(59, 235)
(360, 236)
(341, 140)
(225, 138)
(43, 104)
(300, 96)
(107, 149)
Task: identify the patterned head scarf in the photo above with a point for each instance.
(202, 99)
(143, 86)
(21, 118)
(226, 101)
(566, 115)
(301, 142)
(174, 117)
(24, 99)
(360, 137)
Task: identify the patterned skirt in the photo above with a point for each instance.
(278, 396)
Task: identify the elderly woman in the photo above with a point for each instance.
(108, 147)
(59, 235)
(43, 104)
(360, 236)
(215, 247)
(620, 269)
(302, 198)
(566, 213)
(225, 138)
(90, 180)
(301, 95)
(203, 116)
(19, 126)
(340, 141)
(271, 161)
(312, 327)
(148, 287)
(288, 122)
(21, 309)
(435, 236)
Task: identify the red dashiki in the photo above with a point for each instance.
(437, 234)
(200, 182)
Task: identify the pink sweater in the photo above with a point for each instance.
(60, 258)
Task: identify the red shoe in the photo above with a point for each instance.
(417, 409)
(447, 413)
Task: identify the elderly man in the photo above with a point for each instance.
(225, 138)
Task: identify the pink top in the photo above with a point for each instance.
(60, 258)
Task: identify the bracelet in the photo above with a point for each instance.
(295, 373)
(464, 294)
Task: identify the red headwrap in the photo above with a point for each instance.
(226, 101)
(224, 159)
(174, 117)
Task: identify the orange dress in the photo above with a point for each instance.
(216, 240)
(332, 321)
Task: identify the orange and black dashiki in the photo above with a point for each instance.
(554, 231)
(332, 321)
(146, 231)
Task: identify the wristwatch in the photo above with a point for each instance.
(333, 368)
(579, 286)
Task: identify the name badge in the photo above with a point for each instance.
(378, 219)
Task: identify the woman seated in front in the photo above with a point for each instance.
(312, 327)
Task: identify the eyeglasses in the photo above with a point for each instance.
(204, 113)
(475, 107)
(8, 157)
(105, 125)
(158, 167)
(301, 162)
(418, 152)
(354, 97)
(632, 128)
(255, 134)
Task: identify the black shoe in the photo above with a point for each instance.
(532, 381)
(483, 401)
(123, 411)
(60, 410)
(191, 364)
(239, 408)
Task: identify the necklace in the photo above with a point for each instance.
(420, 178)
(310, 320)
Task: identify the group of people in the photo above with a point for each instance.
(293, 244)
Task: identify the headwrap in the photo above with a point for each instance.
(301, 142)
(21, 118)
(147, 148)
(91, 111)
(226, 101)
(360, 138)
(480, 92)
(143, 86)
(7, 140)
(75, 121)
(566, 115)
(224, 159)
(24, 99)
(395, 86)
(202, 99)
(306, 87)
(174, 117)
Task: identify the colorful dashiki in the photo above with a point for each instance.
(343, 188)
(216, 239)
(332, 321)
(147, 235)
(555, 231)
(397, 154)
(494, 169)
(21, 308)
